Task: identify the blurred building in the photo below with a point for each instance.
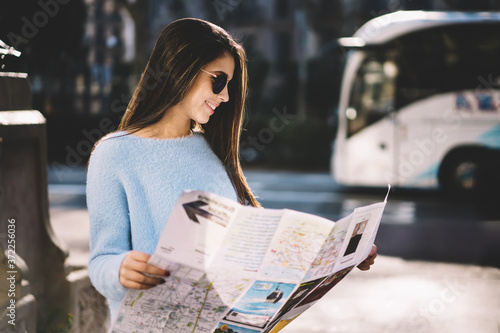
(87, 60)
(105, 37)
(276, 35)
(288, 43)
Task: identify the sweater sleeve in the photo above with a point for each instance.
(109, 221)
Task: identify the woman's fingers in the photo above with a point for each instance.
(370, 260)
(139, 262)
(136, 280)
(136, 273)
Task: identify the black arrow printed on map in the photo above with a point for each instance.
(193, 208)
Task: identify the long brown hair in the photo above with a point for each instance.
(183, 48)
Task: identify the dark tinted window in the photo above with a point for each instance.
(446, 59)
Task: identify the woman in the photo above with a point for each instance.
(166, 144)
(180, 131)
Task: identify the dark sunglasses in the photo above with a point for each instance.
(220, 81)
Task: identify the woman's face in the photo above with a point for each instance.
(200, 102)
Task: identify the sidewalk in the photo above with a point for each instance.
(394, 296)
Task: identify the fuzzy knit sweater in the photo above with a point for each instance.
(132, 186)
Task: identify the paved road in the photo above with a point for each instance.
(402, 292)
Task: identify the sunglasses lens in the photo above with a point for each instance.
(220, 83)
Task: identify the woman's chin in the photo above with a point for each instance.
(203, 121)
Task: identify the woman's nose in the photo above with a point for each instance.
(224, 94)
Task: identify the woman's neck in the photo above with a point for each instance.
(168, 127)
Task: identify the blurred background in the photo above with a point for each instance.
(84, 57)
(307, 122)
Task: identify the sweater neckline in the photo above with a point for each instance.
(160, 140)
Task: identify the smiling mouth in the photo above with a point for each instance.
(212, 106)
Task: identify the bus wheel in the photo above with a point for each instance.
(461, 174)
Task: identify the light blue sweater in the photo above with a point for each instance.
(132, 186)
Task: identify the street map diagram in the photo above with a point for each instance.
(295, 247)
(326, 258)
(328, 254)
(188, 302)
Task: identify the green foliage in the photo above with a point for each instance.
(54, 322)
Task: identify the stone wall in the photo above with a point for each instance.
(49, 296)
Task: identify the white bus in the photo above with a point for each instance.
(420, 102)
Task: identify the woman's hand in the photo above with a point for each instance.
(136, 273)
(370, 260)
